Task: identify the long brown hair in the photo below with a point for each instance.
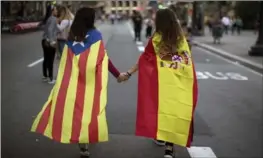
(83, 22)
(167, 25)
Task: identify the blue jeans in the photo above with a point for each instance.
(61, 44)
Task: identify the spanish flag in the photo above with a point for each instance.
(75, 109)
(167, 95)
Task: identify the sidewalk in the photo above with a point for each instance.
(233, 47)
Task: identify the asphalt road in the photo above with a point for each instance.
(228, 117)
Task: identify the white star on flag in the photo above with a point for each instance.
(81, 43)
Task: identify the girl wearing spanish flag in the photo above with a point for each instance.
(167, 86)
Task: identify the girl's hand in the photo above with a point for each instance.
(123, 77)
(133, 69)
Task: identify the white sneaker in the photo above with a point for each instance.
(44, 79)
(84, 153)
(52, 82)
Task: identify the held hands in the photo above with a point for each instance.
(124, 76)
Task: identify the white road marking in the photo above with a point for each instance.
(201, 152)
(139, 43)
(228, 54)
(130, 29)
(140, 48)
(220, 76)
(35, 62)
(229, 61)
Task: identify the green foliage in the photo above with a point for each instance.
(248, 11)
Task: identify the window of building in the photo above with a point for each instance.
(134, 3)
(113, 3)
(120, 3)
(127, 3)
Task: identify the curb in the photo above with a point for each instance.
(254, 66)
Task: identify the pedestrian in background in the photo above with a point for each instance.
(137, 24)
(112, 18)
(49, 46)
(217, 30)
(166, 65)
(233, 26)
(187, 33)
(64, 22)
(239, 25)
(149, 27)
(227, 23)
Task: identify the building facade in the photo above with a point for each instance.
(125, 6)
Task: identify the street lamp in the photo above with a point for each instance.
(257, 49)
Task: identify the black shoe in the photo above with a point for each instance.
(169, 152)
(84, 150)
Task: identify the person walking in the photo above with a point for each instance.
(227, 23)
(166, 65)
(239, 25)
(137, 23)
(233, 25)
(79, 96)
(149, 27)
(64, 22)
(49, 46)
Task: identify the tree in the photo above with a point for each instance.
(248, 12)
(257, 49)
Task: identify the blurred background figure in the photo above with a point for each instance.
(112, 18)
(217, 30)
(187, 33)
(49, 46)
(64, 22)
(149, 26)
(137, 24)
(239, 25)
(227, 23)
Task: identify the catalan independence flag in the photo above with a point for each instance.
(167, 95)
(75, 109)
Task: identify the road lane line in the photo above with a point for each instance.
(201, 152)
(229, 61)
(35, 62)
(139, 43)
(227, 54)
(140, 48)
(130, 29)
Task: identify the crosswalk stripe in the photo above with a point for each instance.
(200, 152)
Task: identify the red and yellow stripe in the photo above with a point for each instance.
(75, 110)
(166, 96)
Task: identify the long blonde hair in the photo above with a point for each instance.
(64, 13)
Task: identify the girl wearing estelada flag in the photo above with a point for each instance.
(167, 86)
(75, 109)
